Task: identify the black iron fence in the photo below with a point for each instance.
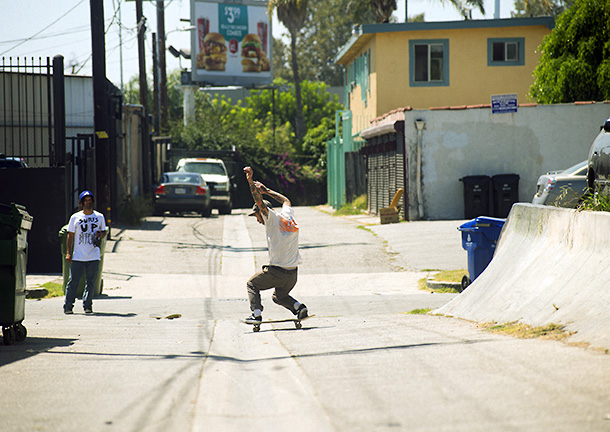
(30, 105)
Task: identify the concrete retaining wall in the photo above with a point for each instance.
(465, 142)
(550, 266)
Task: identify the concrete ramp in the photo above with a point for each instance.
(551, 265)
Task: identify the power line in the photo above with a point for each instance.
(33, 36)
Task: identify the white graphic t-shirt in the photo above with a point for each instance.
(84, 227)
(283, 238)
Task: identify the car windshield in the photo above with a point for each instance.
(204, 168)
(182, 178)
(578, 169)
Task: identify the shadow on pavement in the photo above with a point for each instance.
(30, 347)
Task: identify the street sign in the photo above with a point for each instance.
(506, 103)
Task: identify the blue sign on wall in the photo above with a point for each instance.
(501, 104)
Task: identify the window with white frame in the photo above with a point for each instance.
(429, 62)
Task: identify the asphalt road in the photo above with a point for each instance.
(361, 364)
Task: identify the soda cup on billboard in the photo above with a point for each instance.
(203, 28)
(262, 34)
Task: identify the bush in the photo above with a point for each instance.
(131, 211)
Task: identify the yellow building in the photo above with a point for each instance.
(439, 64)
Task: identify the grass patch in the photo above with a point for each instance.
(526, 331)
(55, 289)
(356, 207)
(419, 312)
(449, 275)
(595, 202)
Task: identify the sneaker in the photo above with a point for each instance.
(88, 310)
(68, 311)
(254, 319)
(302, 312)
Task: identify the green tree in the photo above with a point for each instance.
(383, 8)
(575, 61)
(329, 26)
(292, 13)
(531, 8)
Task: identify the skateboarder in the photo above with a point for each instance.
(85, 230)
(283, 245)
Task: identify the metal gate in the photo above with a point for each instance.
(28, 110)
(385, 156)
(337, 150)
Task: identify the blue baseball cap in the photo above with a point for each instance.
(84, 194)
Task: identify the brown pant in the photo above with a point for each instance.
(273, 277)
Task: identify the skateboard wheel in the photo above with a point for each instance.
(256, 328)
(298, 325)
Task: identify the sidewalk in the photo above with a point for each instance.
(421, 245)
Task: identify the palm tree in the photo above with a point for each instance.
(383, 8)
(292, 13)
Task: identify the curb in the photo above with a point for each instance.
(36, 293)
(432, 284)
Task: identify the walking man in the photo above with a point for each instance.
(283, 245)
(85, 231)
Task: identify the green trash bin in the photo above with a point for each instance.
(15, 222)
(99, 282)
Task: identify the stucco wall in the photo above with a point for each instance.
(471, 80)
(536, 139)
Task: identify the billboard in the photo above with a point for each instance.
(231, 44)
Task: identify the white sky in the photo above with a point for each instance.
(45, 28)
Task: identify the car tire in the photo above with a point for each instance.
(206, 212)
(158, 211)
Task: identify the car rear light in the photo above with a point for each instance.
(200, 191)
(160, 190)
(550, 185)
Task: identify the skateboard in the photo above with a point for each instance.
(169, 317)
(257, 325)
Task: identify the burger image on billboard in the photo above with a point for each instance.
(253, 56)
(214, 54)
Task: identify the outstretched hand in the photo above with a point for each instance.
(261, 187)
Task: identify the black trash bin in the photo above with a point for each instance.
(476, 196)
(479, 239)
(15, 222)
(505, 191)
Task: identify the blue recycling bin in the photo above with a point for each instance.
(479, 239)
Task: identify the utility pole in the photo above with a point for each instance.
(146, 145)
(100, 109)
(162, 66)
(156, 101)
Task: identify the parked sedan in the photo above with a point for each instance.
(562, 188)
(11, 162)
(182, 192)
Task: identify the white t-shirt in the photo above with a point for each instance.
(283, 238)
(84, 226)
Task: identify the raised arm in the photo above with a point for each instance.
(256, 194)
(273, 194)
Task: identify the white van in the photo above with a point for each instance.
(214, 172)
